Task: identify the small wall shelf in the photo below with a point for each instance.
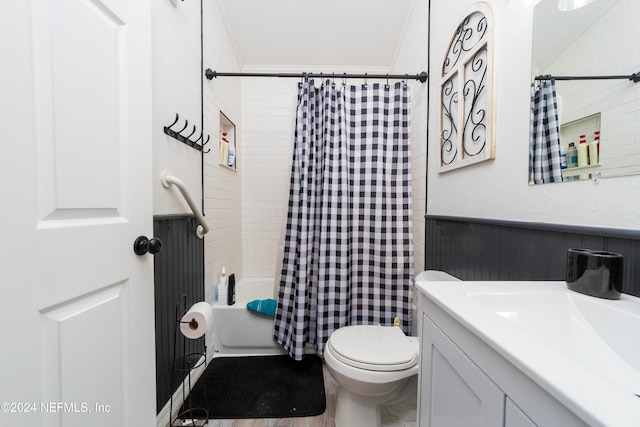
(571, 131)
(228, 148)
(576, 174)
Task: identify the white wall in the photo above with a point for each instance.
(176, 89)
(498, 188)
(222, 192)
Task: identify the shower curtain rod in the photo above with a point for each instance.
(422, 77)
(635, 77)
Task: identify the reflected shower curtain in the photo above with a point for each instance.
(544, 140)
(348, 255)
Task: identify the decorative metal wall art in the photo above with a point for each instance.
(466, 111)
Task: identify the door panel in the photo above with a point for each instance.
(82, 95)
(78, 336)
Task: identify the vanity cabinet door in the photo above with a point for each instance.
(454, 391)
(514, 417)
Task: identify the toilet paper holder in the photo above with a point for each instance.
(193, 323)
(185, 361)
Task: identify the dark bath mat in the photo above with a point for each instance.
(260, 387)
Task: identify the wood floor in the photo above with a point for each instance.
(324, 420)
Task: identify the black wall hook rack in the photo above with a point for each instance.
(197, 144)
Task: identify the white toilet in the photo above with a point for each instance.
(371, 364)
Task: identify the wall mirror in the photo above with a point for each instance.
(600, 39)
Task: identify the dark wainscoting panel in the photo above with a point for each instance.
(178, 270)
(477, 249)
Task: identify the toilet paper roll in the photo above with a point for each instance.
(197, 320)
(595, 273)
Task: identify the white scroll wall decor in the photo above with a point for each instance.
(466, 111)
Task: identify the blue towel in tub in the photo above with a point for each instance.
(266, 307)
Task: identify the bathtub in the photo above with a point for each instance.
(240, 332)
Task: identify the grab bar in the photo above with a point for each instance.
(167, 181)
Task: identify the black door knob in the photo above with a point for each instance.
(142, 245)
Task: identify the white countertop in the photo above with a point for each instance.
(584, 351)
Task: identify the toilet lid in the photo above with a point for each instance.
(382, 348)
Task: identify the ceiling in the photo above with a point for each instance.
(359, 33)
(554, 29)
(345, 33)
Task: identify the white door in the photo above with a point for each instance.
(76, 303)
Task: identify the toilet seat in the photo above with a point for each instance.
(376, 348)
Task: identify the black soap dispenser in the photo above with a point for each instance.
(231, 290)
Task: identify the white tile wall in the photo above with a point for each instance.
(612, 46)
(268, 117)
(222, 187)
(412, 57)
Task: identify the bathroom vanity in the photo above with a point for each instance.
(526, 354)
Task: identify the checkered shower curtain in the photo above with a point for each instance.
(544, 140)
(348, 256)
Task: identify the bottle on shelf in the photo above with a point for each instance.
(583, 155)
(223, 289)
(594, 149)
(232, 156)
(583, 159)
(572, 155)
(224, 149)
(563, 157)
